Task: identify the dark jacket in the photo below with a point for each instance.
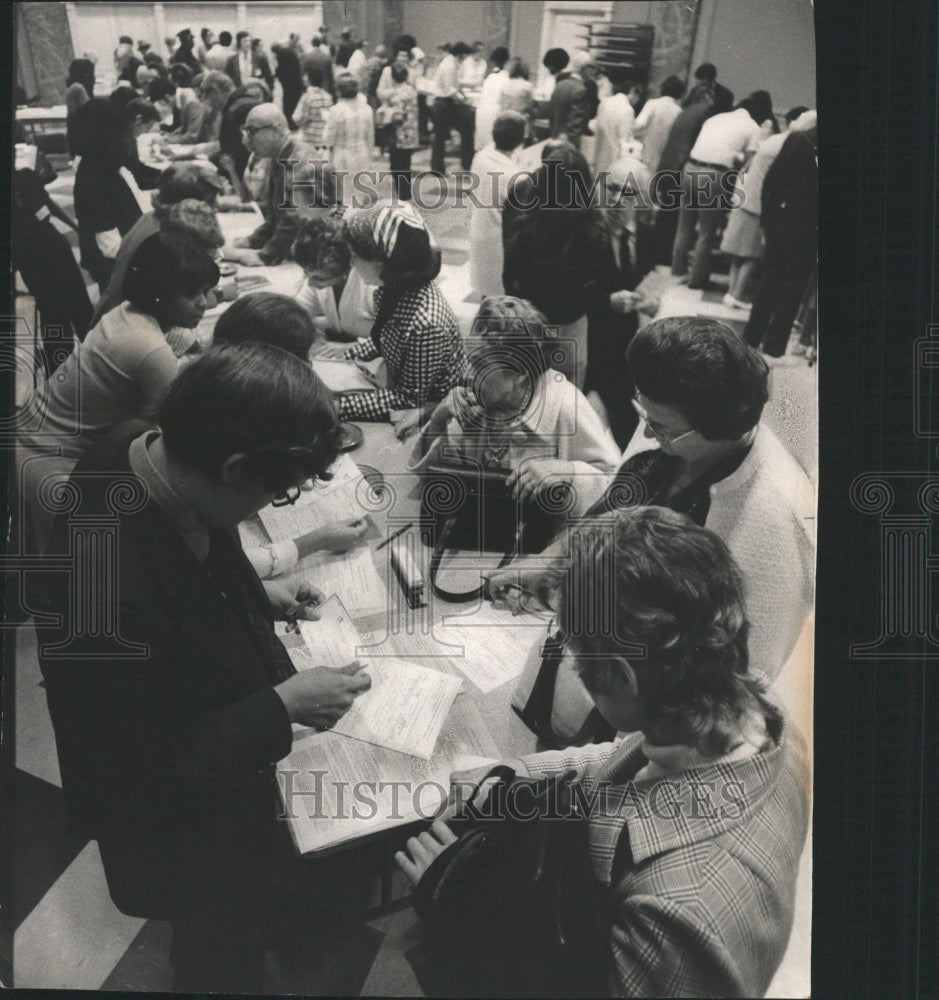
(789, 199)
(288, 72)
(683, 135)
(274, 237)
(569, 108)
(322, 62)
(259, 68)
(168, 733)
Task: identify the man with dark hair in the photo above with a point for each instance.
(450, 110)
(706, 77)
(287, 72)
(184, 53)
(346, 48)
(218, 54)
(168, 728)
(247, 63)
(319, 59)
(568, 108)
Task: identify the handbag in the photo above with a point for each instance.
(558, 720)
(512, 907)
(471, 507)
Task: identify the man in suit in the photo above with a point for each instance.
(169, 725)
(184, 51)
(569, 107)
(266, 135)
(247, 63)
(319, 58)
(706, 85)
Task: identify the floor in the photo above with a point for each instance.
(68, 934)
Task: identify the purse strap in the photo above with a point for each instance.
(538, 708)
(476, 593)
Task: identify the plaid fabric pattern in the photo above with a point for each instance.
(701, 866)
(310, 115)
(423, 349)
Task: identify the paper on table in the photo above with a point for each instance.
(335, 789)
(495, 643)
(332, 500)
(352, 575)
(403, 710)
(342, 376)
(333, 639)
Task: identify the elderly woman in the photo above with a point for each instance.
(700, 449)
(335, 293)
(699, 894)
(415, 330)
(124, 366)
(517, 413)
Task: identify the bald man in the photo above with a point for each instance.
(265, 134)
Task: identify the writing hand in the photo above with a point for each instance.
(338, 536)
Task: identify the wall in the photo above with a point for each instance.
(433, 21)
(760, 45)
(44, 50)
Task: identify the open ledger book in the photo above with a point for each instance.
(388, 761)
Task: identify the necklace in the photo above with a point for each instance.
(495, 449)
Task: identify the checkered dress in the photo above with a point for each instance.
(422, 347)
(310, 116)
(701, 866)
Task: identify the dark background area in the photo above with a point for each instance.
(876, 932)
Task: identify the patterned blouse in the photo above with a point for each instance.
(402, 100)
(421, 345)
(310, 115)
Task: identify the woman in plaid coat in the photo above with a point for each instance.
(697, 819)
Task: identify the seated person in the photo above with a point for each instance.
(122, 369)
(269, 318)
(517, 413)
(415, 330)
(699, 895)
(701, 449)
(201, 120)
(167, 758)
(232, 156)
(334, 292)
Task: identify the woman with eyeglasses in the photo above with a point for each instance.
(701, 450)
(697, 820)
(122, 369)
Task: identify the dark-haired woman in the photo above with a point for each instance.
(700, 449)
(105, 205)
(415, 330)
(699, 816)
(124, 366)
(80, 88)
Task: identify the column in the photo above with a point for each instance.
(498, 24)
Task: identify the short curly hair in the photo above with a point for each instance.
(510, 333)
(665, 594)
(703, 369)
(321, 245)
(267, 318)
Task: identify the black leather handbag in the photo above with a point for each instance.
(512, 908)
(470, 507)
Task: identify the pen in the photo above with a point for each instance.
(295, 609)
(391, 538)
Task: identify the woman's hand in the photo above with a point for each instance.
(406, 422)
(338, 536)
(321, 696)
(422, 850)
(532, 475)
(515, 589)
(292, 602)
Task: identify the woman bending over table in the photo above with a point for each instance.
(415, 330)
(121, 370)
(516, 412)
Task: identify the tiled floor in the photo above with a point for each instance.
(69, 934)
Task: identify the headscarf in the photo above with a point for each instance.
(375, 230)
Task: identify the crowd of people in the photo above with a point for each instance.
(680, 489)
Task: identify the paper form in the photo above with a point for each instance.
(333, 639)
(404, 709)
(332, 500)
(350, 575)
(341, 376)
(496, 643)
(335, 789)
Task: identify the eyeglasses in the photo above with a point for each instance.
(658, 433)
(287, 498)
(254, 129)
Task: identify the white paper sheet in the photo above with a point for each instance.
(495, 643)
(333, 500)
(342, 376)
(352, 576)
(336, 789)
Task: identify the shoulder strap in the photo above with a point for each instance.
(476, 593)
